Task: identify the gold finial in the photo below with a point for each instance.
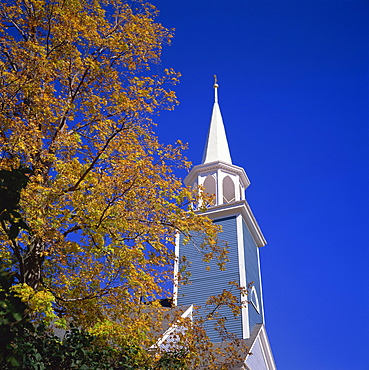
(215, 89)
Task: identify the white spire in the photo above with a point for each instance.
(216, 148)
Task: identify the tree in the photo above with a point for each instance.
(25, 346)
(102, 205)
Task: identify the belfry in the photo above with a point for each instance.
(227, 184)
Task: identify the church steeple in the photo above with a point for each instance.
(216, 148)
(216, 175)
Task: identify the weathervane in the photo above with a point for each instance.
(215, 81)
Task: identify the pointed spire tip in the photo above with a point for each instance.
(215, 89)
(215, 82)
(216, 147)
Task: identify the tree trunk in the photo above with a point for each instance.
(33, 262)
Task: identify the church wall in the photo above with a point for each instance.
(206, 283)
(256, 361)
(252, 275)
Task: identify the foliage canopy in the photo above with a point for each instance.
(101, 205)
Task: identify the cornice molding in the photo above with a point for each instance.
(234, 209)
(207, 167)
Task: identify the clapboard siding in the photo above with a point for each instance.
(252, 275)
(206, 283)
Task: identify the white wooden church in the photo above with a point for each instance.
(228, 182)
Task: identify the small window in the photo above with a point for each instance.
(228, 190)
(210, 186)
(254, 299)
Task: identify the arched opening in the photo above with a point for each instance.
(195, 188)
(254, 299)
(228, 190)
(210, 187)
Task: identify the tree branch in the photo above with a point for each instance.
(91, 166)
(15, 248)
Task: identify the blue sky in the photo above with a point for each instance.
(294, 80)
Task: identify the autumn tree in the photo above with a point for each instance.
(91, 237)
(102, 202)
